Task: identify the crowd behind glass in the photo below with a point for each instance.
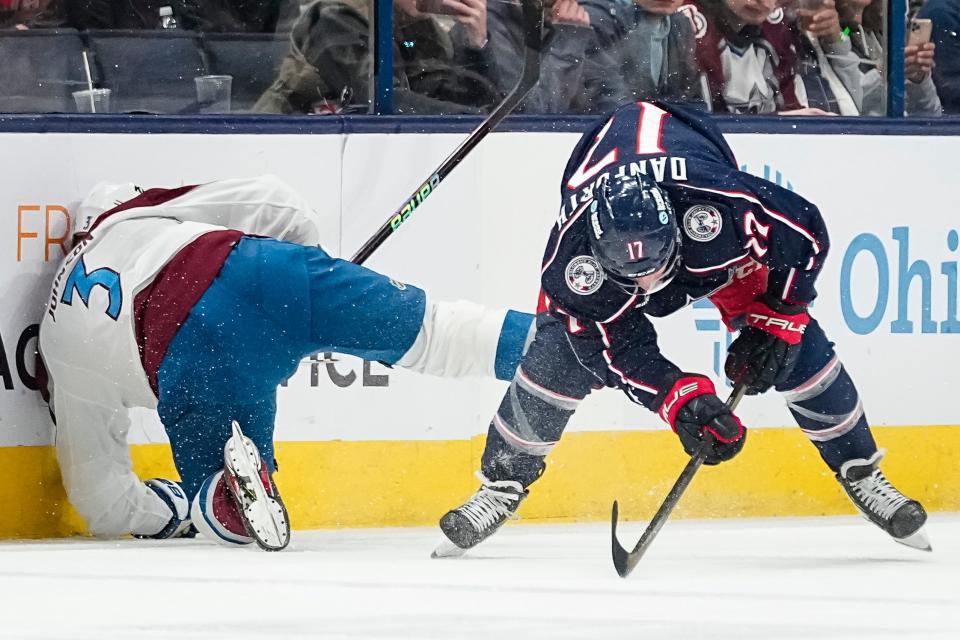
(808, 57)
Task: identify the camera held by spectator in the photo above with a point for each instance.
(865, 21)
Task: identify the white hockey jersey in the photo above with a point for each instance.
(89, 345)
(88, 340)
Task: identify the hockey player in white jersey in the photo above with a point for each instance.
(198, 302)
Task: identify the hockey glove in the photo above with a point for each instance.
(172, 494)
(694, 412)
(765, 352)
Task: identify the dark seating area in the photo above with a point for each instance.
(41, 69)
(146, 71)
(252, 59)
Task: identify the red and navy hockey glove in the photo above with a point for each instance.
(765, 352)
(694, 412)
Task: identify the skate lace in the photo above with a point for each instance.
(878, 495)
(491, 503)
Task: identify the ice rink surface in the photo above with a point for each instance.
(772, 579)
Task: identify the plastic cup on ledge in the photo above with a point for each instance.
(213, 93)
(92, 100)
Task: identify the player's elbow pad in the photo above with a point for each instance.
(459, 339)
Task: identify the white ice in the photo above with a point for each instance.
(778, 579)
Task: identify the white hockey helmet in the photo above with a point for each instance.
(103, 197)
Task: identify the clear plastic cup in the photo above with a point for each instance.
(213, 93)
(92, 100)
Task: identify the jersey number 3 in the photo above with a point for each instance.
(649, 138)
(82, 283)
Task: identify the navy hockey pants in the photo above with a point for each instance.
(551, 382)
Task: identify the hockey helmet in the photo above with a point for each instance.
(103, 197)
(634, 234)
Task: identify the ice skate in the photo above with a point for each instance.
(478, 518)
(881, 503)
(249, 481)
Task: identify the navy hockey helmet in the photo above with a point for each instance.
(634, 234)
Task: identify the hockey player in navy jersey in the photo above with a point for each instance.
(198, 302)
(656, 214)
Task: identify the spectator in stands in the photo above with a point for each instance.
(226, 16)
(945, 15)
(242, 16)
(748, 53)
(31, 14)
(566, 37)
(329, 66)
(865, 20)
(645, 50)
(127, 14)
(827, 64)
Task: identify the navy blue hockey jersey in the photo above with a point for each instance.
(728, 219)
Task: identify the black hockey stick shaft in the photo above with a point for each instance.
(533, 40)
(624, 561)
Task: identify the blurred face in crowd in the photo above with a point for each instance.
(751, 11)
(660, 7)
(408, 7)
(851, 11)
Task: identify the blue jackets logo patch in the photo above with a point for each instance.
(584, 275)
(702, 223)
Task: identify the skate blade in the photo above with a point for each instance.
(917, 540)
(265, 517)
(447, 549)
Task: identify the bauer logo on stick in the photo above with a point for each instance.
(584, 275)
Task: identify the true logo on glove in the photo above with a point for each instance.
(668, 404)
(759, 320)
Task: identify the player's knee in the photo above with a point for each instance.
(215, 515)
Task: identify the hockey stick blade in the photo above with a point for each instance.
(533, 42)
(625, 561)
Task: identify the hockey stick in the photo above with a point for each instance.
(533, 39)
(624, 561)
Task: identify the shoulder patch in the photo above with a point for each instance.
(583, 275)
(697, 19)
(702, 223)
(776, 17)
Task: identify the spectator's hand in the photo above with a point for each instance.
(21, 27)
(805, 111)
(823, 23)
(568, 12)
(918, 61)
(472, 14)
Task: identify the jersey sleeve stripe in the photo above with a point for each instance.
(773, 214)
(563, 231)
(789, 285)
(623, 376)
(716, 267)
(622, 310)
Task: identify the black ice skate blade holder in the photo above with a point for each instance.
(625, 561)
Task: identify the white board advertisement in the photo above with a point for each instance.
(888, 294)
